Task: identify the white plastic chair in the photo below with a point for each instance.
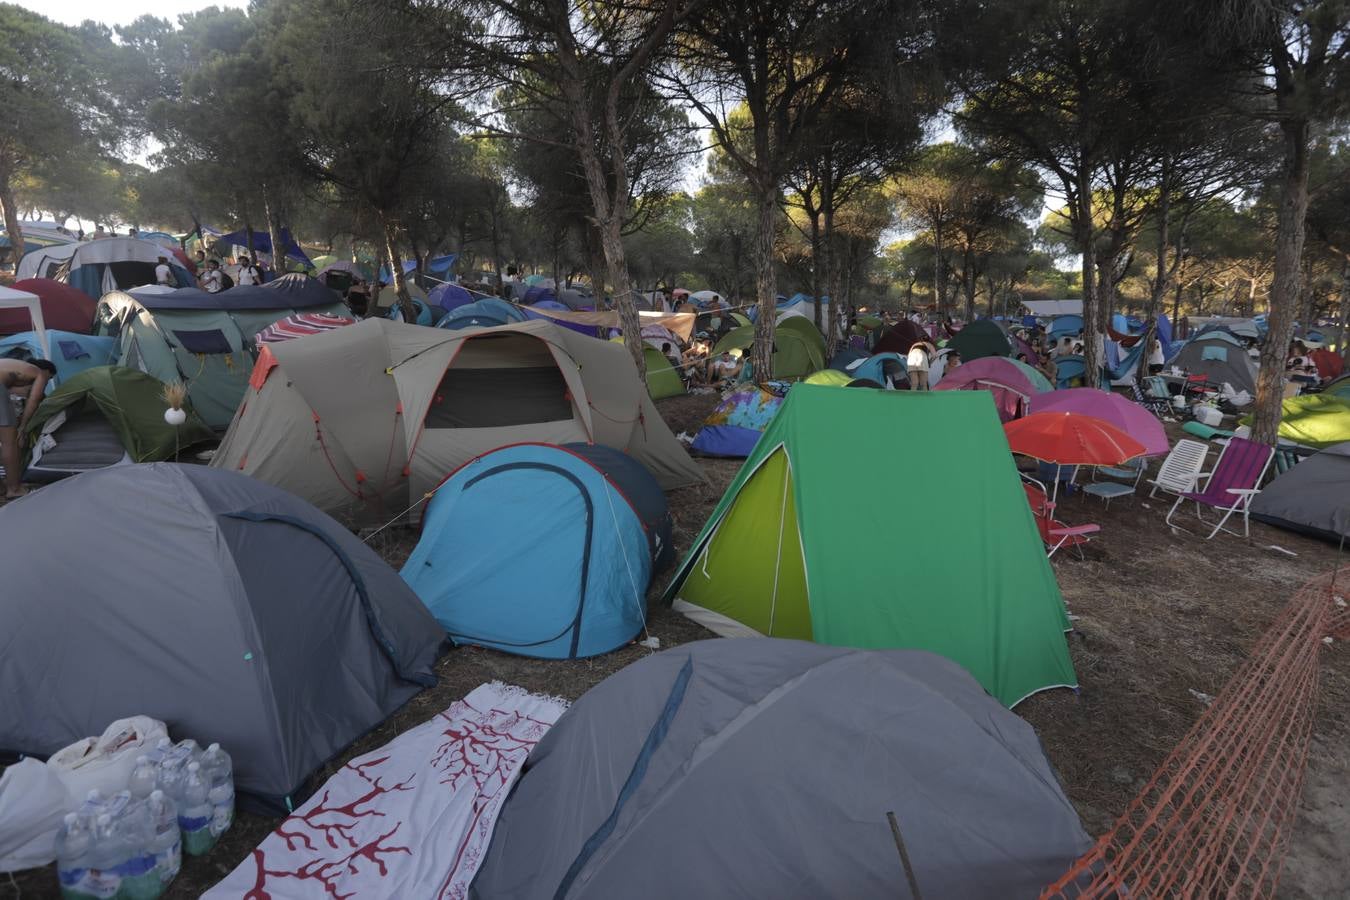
(1180, 469)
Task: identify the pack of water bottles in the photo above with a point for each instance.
(179, 799)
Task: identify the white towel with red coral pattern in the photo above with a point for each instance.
(411, 819)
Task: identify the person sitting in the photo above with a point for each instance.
(726, 367)
(1299, 365)
(29, 381)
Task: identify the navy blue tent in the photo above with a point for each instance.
(449, 297)
(262, 243)
(543, 550)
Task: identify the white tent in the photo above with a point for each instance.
(44, 261)
(12, 299)
(1054, 307)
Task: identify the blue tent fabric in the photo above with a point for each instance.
(262, 243)
(538, 294)
(483, 313)
(449, 297)
(845, 357)
(542, 550)
(71, 353)
(425, 313)
(89, 278)
(874, 369)
(1065, 326)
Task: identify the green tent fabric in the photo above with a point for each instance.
(1339, 388)
(980, 339)
(794, 550)
(1034, 375)
(795, 354)
(1314, 420)
(662, 379)
(131, 402)
(807, 329)
(831, 377)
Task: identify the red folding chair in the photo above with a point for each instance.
(1055, 534)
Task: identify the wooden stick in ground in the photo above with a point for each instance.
(904, 857)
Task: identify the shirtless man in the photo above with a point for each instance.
(25, 379)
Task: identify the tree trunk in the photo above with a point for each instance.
(816, 262)
(404, 301)
(1343, 332)
(968, 282)
(1284, 290)
(611, 239)
(939, 272)
(274, 235)
(10, 211)
(829, 245)
(766, 286)
(1086, 245)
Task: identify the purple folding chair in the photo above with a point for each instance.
(1230, 487)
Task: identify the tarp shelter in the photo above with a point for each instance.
(596, 524)
(663, 380)
(366, 419)
(205, 340)
(262, 243)
(63, 308)
(681, 324)
(980, 339)
(45, 262)
(24, 301)
(70, 353)
(118, 263)
(106, 416)
(1011, 383)
(1054, 307)
(226, 608)
(765, 768)
(1311, 498)
(780, 554)
(735, 426)
(795, 354)
(1313, 420)
(1219, 358)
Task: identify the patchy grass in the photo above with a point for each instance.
(1158, 615)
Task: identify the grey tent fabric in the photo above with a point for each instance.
(757, 767)
(1313, 497)
(1220, 359)
(364, 420)
(227, 608)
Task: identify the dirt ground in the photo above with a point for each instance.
(1158, 616)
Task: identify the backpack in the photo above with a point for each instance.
(226, 282)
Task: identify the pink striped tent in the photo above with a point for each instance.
(299, 325)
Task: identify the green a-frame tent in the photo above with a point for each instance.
(942, 554)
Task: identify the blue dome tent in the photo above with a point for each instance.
(449, 297)
(426, 315)
(596, 526)
(484, 313)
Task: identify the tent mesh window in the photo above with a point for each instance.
(210, 340)
(493, 398)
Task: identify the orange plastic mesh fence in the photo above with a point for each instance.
(1215, 819)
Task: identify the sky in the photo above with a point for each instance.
(118, 12)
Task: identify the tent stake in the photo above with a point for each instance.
(904, 857)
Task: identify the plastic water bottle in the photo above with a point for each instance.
(73, 843)
(189, 750)
(160, 750)
(139, 880)
(93, 806)
(165, 840)
(106, 858)
(219, 772)
(195, 813)
(143, 778)
(170, 778)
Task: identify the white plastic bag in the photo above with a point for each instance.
(105, 762)
(33, 801)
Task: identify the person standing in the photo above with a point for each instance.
(211, 282)
(1155, 357)
(917, 366)
(28, 380)
(248, 272)
(163, 274)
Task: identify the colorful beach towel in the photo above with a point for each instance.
(411, 819)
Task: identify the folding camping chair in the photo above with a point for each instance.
(1180, 468)
(1230, 487)
(1054, 534)
(1195, 386)
(1132, 471)
(1162, 408)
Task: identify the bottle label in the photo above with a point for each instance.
(71, 879)
(102, 883)
(193, 823)
(221, 818)
(169, 862)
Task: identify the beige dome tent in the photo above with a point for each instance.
(361, 421)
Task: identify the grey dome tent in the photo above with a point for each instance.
(1220, 357)
(759, 767)
(1312, 498)
(225, 607)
